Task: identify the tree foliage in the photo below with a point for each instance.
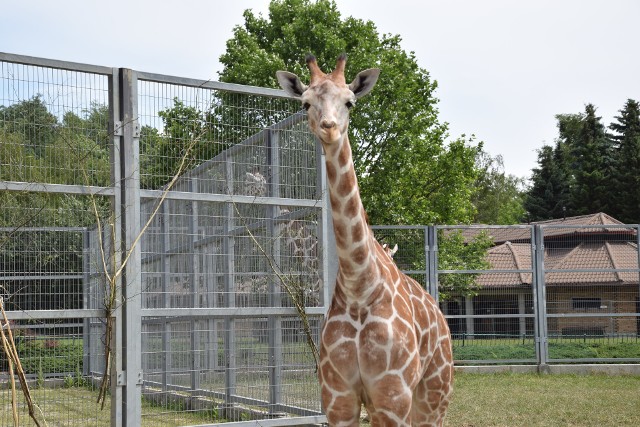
(589, 170)
(408, 174)
(626, 179)
(32, 121)
(457, 252)
(591, 155)
(185, 128)
(548, 195)
(36, 147)
(498, 197)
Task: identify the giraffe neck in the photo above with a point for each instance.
(354, 239)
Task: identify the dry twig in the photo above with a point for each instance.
(11, 352)
(297, 296)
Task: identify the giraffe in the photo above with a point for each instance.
(391, 251)
(384, 343)
(296, 234)
(303, 244)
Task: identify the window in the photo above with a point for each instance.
(586, 303)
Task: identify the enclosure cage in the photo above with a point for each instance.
(189, 216)
(183, 226)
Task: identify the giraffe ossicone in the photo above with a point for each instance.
(385, 343)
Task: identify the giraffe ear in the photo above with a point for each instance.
(290, 83)
(364, 82)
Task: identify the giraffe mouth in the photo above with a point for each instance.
(329, 135)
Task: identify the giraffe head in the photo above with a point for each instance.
(328, 97)
(391, 251)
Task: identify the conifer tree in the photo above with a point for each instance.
(548, 196)
(592, 156)
(626, 176)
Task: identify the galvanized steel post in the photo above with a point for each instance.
(129, 378)
(540, 302)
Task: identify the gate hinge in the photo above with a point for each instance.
(117, 128)
(121, 378)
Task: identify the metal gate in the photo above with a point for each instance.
(178, 223)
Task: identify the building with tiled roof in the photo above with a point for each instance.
(587, 271)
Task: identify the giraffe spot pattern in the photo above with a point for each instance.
(346, 185)
(351, 207)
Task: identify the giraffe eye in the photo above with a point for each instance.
(306, 106)
(349, 104)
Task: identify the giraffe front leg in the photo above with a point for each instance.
(341, 407)
(389, 403)
(340, 399)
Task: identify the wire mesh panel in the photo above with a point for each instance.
(201, 131)
(484, 279)
(236, 235)
(53, 125)
(591, 278)
(486, 286)
(54, 358)
(55, 151)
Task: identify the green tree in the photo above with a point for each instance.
(551, 194)
(459, 252)
(37, 148)
(32, 120)
(498, 198)
(94, 123)
(408, 174)
(187, 130)
(626, 179)
(592, 155)
(548, 196)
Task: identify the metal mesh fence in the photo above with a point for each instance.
(54, 125)
(270, 141)
(223, 242)
(591, 278)
(53, 354)
(558, 292)
(54, 151)
(226, 258)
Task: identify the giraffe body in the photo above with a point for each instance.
(385, 342)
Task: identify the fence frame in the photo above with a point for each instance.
(124, 132)
(538, 292)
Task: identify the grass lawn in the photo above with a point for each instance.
(480, 400)
(544, 400)
(76, 406)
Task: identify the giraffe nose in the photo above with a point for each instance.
(327, 124)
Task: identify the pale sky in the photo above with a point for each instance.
(504, 68)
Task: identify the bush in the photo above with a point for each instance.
(594, 348)
(50, 356)
(493, 352)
